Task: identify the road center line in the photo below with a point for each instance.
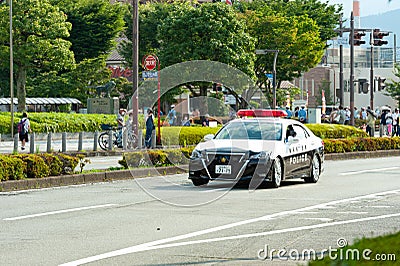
(368, 171)
(57, 212)
(159, 243)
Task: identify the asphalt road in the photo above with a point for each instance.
(165, 220)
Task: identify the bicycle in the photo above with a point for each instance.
(104, 138)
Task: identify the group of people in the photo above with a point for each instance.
(299, 112)
(388, 120)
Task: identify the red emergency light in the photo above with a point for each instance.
(261, 113)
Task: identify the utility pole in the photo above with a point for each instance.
(135, 60)
(371, 75)
(341, 79)
(351, 69)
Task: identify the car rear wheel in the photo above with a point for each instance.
(276, 174)
(200, 182)
(315, 170)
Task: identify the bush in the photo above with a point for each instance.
(68, 163)
(334, 131)
(54, 163)
(11, 168)
(156, 158)
(361, 144)
(35, 167)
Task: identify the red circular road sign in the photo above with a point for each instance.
(150, 62)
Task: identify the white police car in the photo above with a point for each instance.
(263, 149)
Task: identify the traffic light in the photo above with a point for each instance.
(357, 38)
(378, 35)
(381, 84)
(363, 86)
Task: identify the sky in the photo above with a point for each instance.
(367, 7)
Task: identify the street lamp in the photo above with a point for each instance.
(273, 73)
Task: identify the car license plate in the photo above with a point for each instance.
(223, 169)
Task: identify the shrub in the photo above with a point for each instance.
(11, 168)
(69, 163)
(361, 144)
(334, 131)
(54, 163)
(35, 165)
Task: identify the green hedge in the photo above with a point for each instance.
(361, 144)
(334, 131)
(156, 158)
(60, 122)
(20, 166)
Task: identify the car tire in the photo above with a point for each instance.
(200, 182)
(315, 170)
(276, 173)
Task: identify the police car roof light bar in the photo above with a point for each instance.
(261, 113)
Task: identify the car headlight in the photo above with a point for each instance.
(196, 154)
(260, 155)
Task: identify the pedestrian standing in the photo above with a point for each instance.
(302, 115)
(370, 123)
(149, 128)
(171, 116)
(395, 116)
(289, 112)
(382, 123)
(342, 115)
(389, 123)
(348, 116)
(24, 128)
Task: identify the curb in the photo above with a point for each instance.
(77, 179)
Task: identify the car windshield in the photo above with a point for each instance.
(257, 130)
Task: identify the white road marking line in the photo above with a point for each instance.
(380, 206)
(215, 190)
(319, 219)
(57, 212)
(350, 212)
(157, 244)
(368, 171)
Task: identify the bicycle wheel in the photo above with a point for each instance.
(104, 141)
(132, 141)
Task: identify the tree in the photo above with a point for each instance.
(39, 34)
(296, 38)
(95, 26)
(207, 32)
(393, 88)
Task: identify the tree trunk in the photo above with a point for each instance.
(21, 92)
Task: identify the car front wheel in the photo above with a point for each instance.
(315, 170)
(276, 173)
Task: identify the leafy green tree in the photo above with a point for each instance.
(95, 26)
(39, 33)
(296, 37)
(79, 82)
(207, 32)
(393, 88)
(151, 15)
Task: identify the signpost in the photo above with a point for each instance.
(149, 63)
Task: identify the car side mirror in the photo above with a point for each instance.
(208, 137)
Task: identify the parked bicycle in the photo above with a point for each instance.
(104, 138)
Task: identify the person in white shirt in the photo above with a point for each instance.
(395, 117)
